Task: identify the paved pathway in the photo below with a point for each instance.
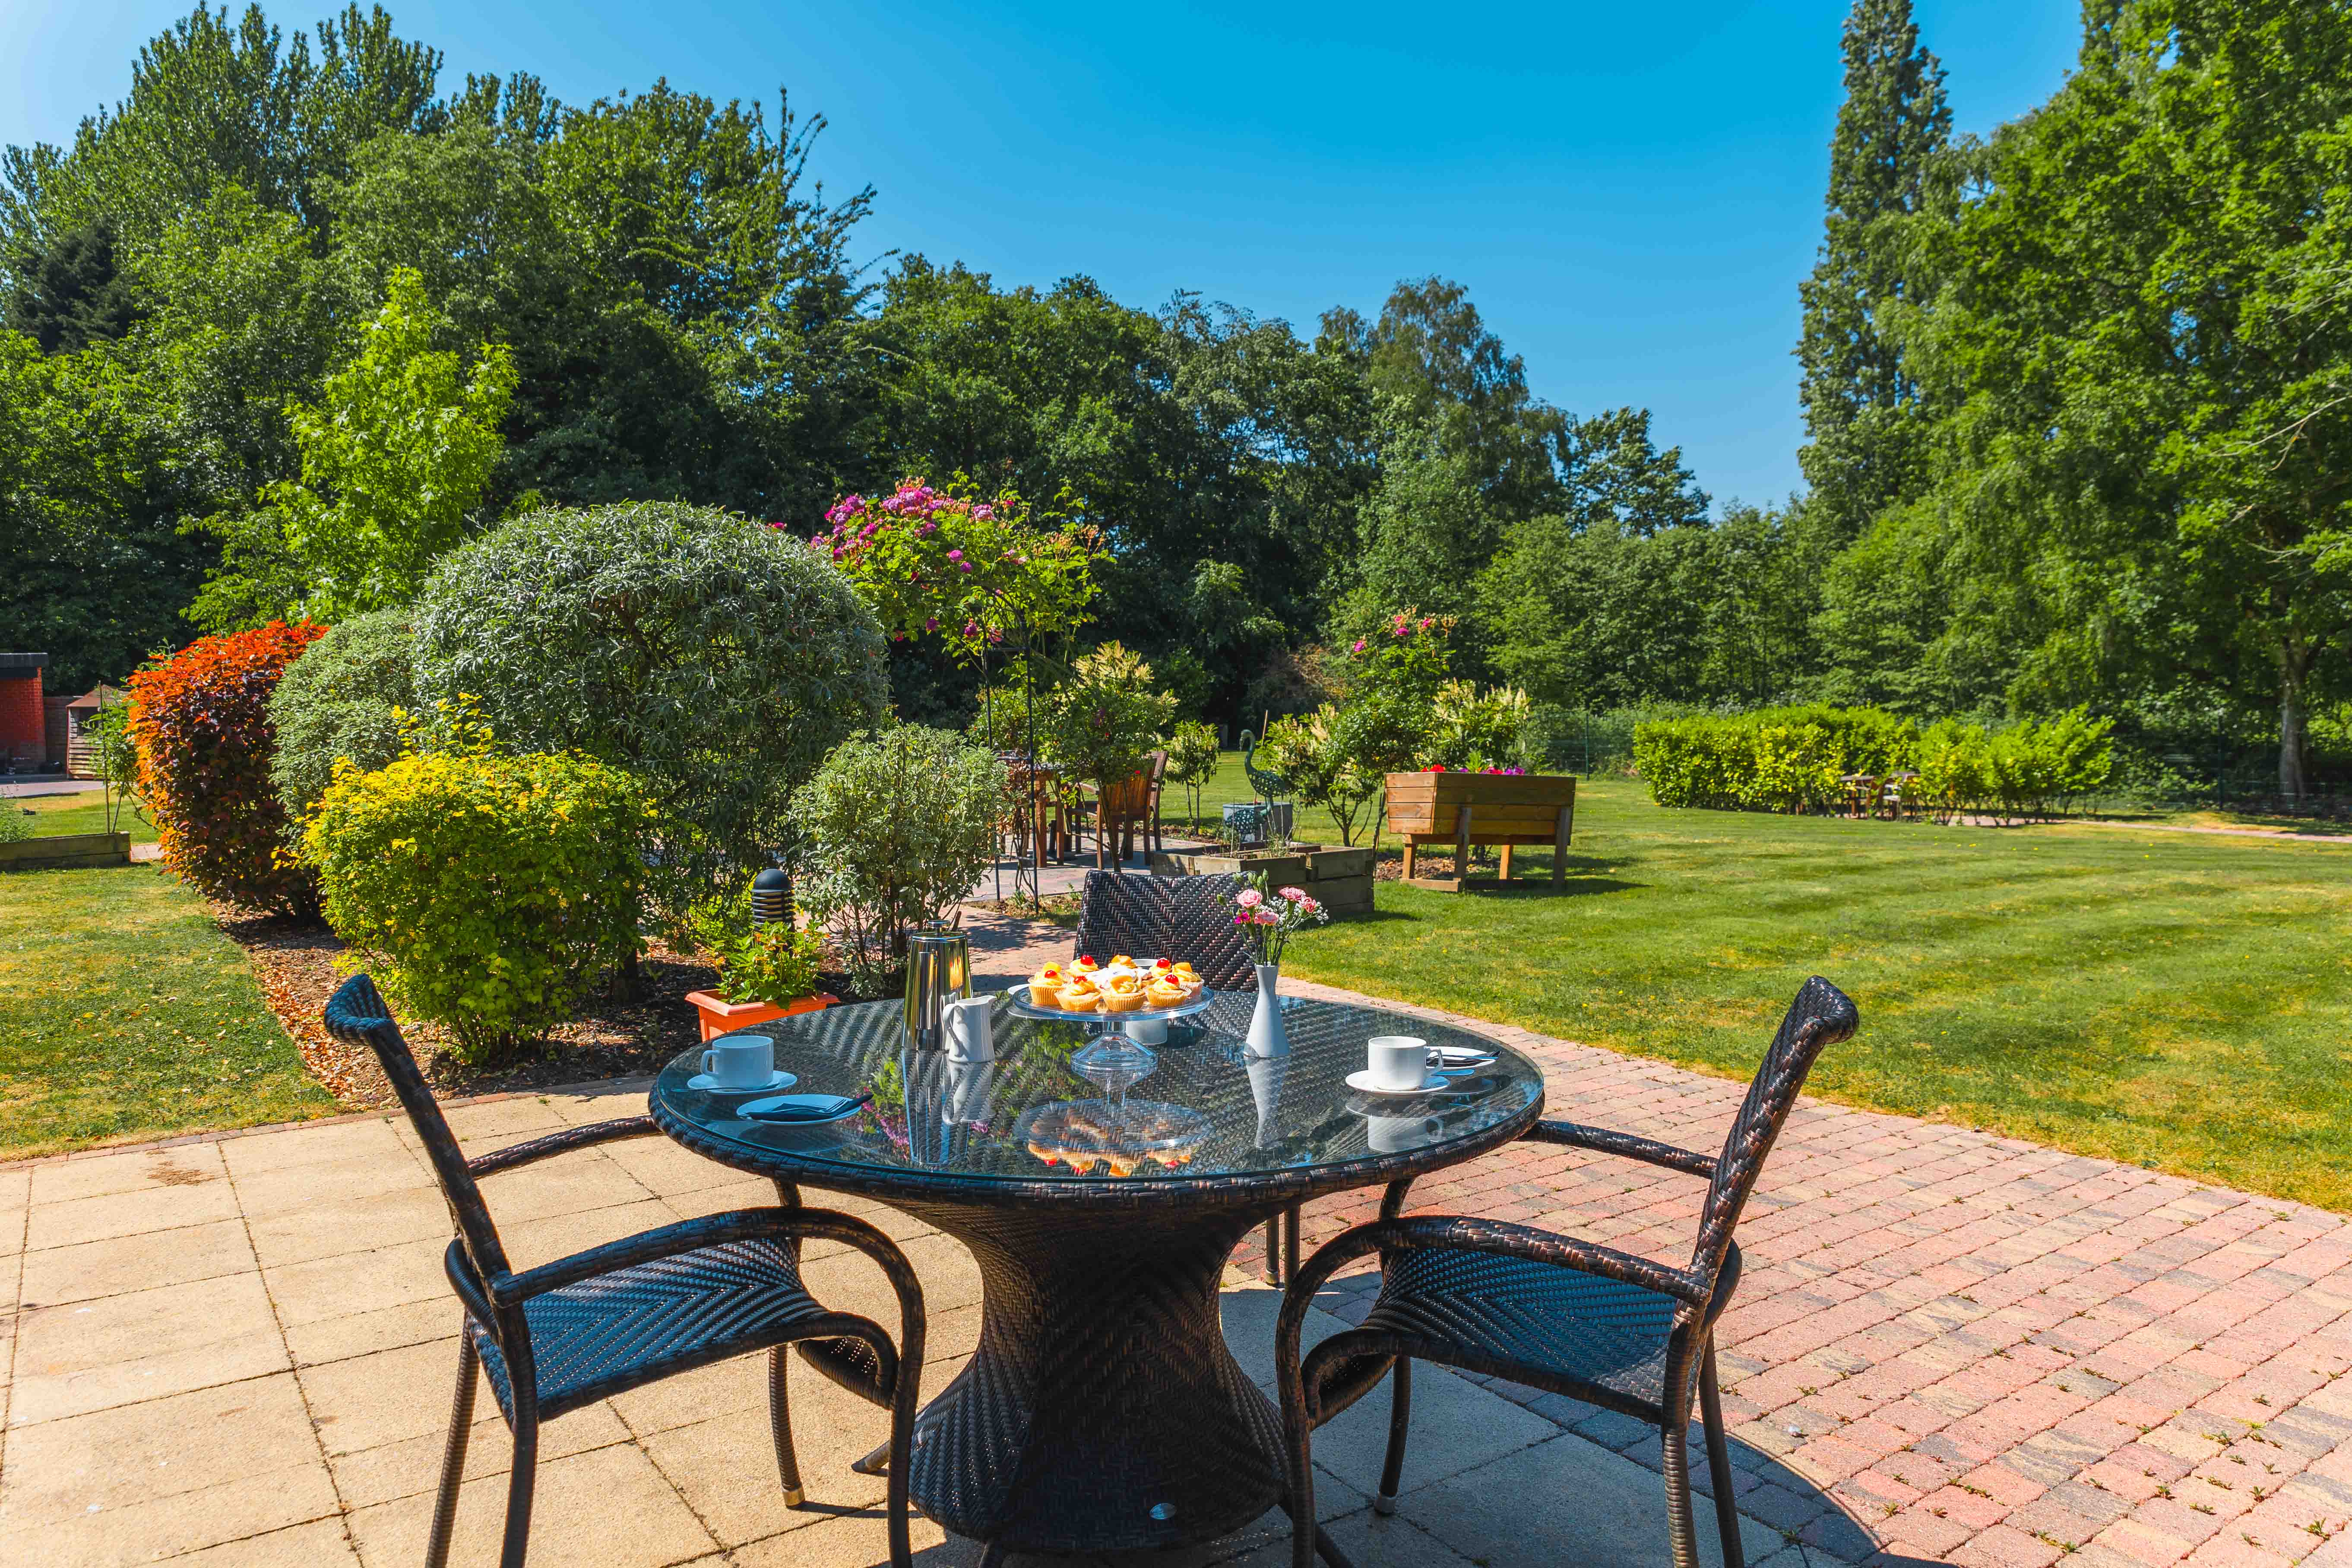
(1950, 1347)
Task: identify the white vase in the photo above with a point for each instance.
(1266, 1037)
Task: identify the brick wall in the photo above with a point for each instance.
(24, 722)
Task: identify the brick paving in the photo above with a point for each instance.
(1953, 1346)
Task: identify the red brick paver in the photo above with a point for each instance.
(1949, 1346)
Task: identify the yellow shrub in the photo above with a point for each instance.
(493, 890)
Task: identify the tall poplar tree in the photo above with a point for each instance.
(1861, 407)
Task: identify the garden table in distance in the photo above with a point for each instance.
(1102, 1410)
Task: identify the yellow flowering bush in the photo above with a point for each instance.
(492, 890)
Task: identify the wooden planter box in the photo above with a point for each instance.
(1463, 809)
(65, 851)
(718, 1017)
(1340, 879)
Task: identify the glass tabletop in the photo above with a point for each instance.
(1030, 1117)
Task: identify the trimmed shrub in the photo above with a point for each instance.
(15, 822)
(493, 889)
(1792, 759)
(716, 658)
(201, 722)
(1775, 759)
(340, 701)
(2018, 772)
(896, 828)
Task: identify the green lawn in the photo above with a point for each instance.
(2179, 1000)
(55, 814)
(125, 1015)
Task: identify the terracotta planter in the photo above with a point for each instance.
(732, 1018)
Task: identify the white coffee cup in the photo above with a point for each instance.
(1395, 1134)
(740, 1061)
(1397, 1062)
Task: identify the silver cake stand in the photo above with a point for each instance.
(1122, 1041)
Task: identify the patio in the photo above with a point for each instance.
(1950, 1347)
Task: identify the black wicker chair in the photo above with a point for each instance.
(1551, 1311)
(1187, 918)
(1167, 917)
(568, 1333)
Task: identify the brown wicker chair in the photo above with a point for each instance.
(566, 1334)
(1551, 1311)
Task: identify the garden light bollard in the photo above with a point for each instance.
(939, 971)
(772, 897)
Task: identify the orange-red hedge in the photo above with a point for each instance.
(201, 720)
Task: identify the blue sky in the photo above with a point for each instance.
(1631, 193)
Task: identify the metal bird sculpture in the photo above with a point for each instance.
(1270, 787)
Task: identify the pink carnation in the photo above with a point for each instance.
(1249, 898)
(1295, 895)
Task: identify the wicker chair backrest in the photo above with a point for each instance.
(356, 1015)
(1821, 1016)
(1167, 917)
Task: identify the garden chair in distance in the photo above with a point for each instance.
(1187, 918)
(563, 1335)
(1552, 1311)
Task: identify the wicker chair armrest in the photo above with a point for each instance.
(1469, 1235)
(562, 1142)
(1631, 1145)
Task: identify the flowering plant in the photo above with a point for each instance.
(967, 569)
(1267, 917)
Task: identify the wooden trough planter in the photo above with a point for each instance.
(1459, 810)
(1340, 879)
(65, 851)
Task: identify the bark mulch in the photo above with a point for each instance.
(300, 962)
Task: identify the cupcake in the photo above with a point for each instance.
(1165, 992)
(1046, 986)
(1123, 996)
(1080, 995)
(1084, 965)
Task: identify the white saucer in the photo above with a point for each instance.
(777, 1080)
(1362, 1081)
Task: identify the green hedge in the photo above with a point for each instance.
(1792, 760)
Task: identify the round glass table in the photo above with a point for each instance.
(1101, 1410)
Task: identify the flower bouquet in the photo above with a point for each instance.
(1267, 917)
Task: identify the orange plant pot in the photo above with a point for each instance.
(729, 1018)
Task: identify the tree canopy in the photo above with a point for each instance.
(296, 316)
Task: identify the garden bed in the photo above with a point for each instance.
(1340, 877)
(65, 851)
(299, 964)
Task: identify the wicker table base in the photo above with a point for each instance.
(1102, 1411)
